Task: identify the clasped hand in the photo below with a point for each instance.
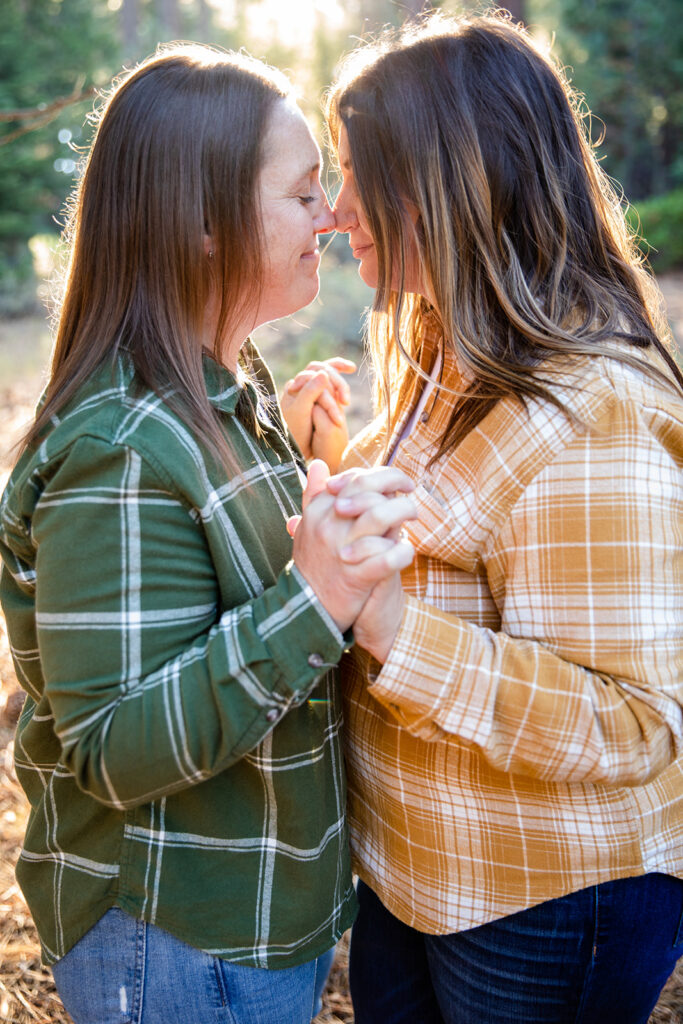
(348, 546)
(313, 406)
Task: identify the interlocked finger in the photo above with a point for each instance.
(365, 547)
(377, 567)
(327, 402)
(355, 504)
(354, 482)
(333, 369)
(383, 515)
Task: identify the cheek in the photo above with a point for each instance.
(279, 257)
(362, 222)
(295, 238)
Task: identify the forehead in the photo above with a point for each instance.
(289, 150)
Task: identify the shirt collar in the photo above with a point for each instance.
(454, 370)
(223, 388)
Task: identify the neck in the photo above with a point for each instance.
(230, 350)
(231, 342)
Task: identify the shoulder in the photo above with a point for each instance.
(366, 448)
(114, 407)
(641, 407)
(109, 425)
(625, 427)
(604, 404)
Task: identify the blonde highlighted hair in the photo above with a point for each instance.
(520, 236)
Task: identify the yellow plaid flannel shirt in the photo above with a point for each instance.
(524, 739)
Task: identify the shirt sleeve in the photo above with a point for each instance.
(584, 680)
(153, 686)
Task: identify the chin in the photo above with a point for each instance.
(312, 293)
(368, 275)
(294, 303)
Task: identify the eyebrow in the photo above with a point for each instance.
(313, 169)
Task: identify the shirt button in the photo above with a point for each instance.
(315, 660)
(424, 417)
(272, 715)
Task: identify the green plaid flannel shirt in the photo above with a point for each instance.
(180, 741)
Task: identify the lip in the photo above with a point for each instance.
(360, 250)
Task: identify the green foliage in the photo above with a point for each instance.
(48, 49)
(625, 55)
(17, 279)
(627, 58)
(659, 222)
(143, 24)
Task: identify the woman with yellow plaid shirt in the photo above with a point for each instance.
(514, 725)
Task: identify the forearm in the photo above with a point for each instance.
(200, 711)
(574, 553)
(527, 709)
(159, 674)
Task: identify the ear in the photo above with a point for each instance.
(209, 248)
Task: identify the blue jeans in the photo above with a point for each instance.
(125, 971)
(598, 956)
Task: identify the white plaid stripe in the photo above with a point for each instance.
(525, 737)
(170, 627)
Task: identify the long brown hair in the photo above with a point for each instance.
(519, 232)
(175, 158)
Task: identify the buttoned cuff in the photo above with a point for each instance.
(312, 644)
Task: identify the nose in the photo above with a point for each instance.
(345, 211)
(324, 220)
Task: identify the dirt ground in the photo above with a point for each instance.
(26, 991)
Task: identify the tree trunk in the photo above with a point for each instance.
(169, 20)
(204, 21)
(130, 19)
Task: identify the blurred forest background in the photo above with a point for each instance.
(58, 56)
(626, 56)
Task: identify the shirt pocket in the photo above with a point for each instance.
(446, 526)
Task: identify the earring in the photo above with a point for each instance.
(210, 254)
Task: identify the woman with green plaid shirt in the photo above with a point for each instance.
(186, 855)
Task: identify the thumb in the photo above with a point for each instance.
(292, 524)
(318, 475)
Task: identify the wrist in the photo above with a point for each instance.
(335, 610)
(382, 642)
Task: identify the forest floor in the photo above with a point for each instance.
(27, 994)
